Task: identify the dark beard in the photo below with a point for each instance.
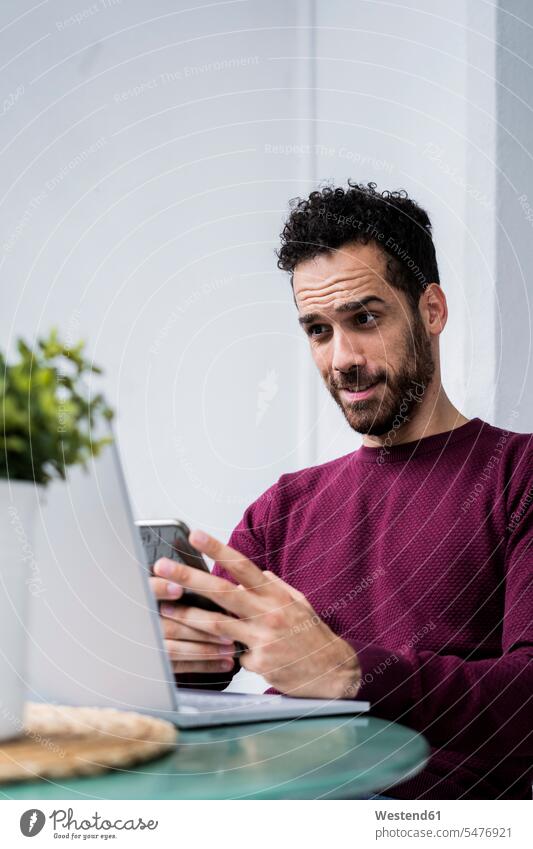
(403, 391)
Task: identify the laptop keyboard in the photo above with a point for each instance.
(191, 701)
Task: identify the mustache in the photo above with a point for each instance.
(351, 383)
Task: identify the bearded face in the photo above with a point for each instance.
(370, 346)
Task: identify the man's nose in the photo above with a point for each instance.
(346, 353)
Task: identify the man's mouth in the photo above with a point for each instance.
(359, 393)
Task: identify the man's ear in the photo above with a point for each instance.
(434, 309)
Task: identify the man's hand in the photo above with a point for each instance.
(288, 643)
(189, 648)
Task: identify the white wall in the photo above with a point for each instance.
(514, 230)
(157, 244)
(148, 152)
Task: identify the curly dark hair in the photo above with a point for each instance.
(332, 217)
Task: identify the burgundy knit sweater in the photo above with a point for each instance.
(420, 555)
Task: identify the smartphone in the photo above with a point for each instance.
(170, 538)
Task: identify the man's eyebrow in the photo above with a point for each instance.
(348, 306)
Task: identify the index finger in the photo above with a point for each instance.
(223, 592)
(246, 572)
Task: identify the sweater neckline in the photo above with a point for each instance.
(390, 453)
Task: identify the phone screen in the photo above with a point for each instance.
(159, 542)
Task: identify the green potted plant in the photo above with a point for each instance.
(48, 420)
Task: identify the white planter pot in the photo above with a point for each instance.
(18, 510)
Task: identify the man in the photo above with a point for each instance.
(401, 573)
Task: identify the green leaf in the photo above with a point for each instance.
(47, 414)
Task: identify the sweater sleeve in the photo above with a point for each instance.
(488, 702)
(248, 537)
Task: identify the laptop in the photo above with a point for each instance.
(94, 632)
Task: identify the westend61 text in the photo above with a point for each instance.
(407, 815)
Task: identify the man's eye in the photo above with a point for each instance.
(368, 315)
(317, 329)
